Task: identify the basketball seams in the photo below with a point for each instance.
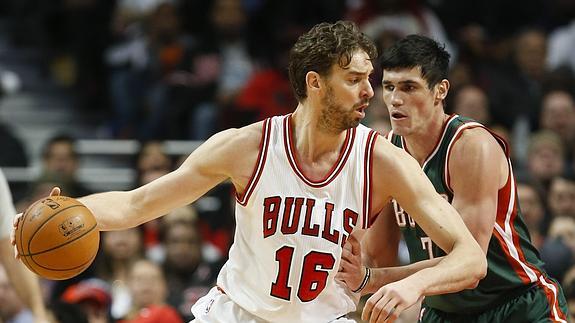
(66, 243)
(46, 221)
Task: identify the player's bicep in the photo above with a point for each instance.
(477, 169)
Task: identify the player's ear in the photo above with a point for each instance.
(313, 81)
(442, 90)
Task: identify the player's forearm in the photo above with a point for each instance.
(24, 281)
(113, 210)
(462, 268)
(383, 276)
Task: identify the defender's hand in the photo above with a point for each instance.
(385, 305)
(351, 270)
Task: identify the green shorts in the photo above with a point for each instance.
(536, 305)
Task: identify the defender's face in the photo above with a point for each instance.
(347, 94)
(409, 100)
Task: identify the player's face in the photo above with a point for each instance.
(409, 101)
(347, 94)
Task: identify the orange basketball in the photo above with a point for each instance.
(57, 237)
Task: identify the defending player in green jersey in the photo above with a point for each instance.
(471, 168)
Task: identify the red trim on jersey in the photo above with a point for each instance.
(555, 312)
(458, 133)
(259, 166)
(335, 169)
(389, 135)
(500, 220)
(368, 178)
(505, 196)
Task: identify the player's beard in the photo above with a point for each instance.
(334, 117)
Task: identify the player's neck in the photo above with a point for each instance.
(422, 143)
(312, 143)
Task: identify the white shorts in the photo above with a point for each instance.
(217, 307)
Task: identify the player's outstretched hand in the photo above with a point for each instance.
(351, 270)
(55, 192)
(385, 305)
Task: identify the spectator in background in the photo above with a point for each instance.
(515, 87)
(62, 312)
(471, 101)
(545, 158)
(533, 211)
(12, 309)
(94, 298)
(189, 275)
(152, 161)
(558, 115)
(148, 292)
(404, 18)
(558, 251)
(562, 46)
(60, 160)
(118, 252)
(145, 70)
(561, 196)
(268, 92)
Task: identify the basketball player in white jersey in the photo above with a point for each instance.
(305, 181)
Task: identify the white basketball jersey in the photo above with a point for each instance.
(290, 230)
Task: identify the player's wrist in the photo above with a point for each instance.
(364, 282)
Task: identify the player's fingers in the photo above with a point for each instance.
(395, 313)
(15, 223)
(355, 245)
(369, 304)
(55, 191)
(388, 312)
(377, 313)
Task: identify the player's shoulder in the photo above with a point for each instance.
(240, 138)
(477, 140)
(386, 154)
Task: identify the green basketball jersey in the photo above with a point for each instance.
(513, 262)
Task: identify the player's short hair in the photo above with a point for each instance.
(321, 47)
(418, 51)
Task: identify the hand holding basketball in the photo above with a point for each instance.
(56, 237)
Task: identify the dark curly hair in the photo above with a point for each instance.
(321, 47)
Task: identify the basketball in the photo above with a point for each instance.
(57, 237)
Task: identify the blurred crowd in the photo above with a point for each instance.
(184, 69)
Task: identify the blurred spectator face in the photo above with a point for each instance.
(152, 157)
(10, 304)
(228, 17)
(561, 197)
(531, 206)
(546, 156)
(122, 245)
(165, 22)
(472, 102)
(563, 228)
(558, 114)
(61, 159)
(531, 53)
(147, 284)
(183, 246)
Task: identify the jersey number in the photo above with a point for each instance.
(427, 244)
(313, 275)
